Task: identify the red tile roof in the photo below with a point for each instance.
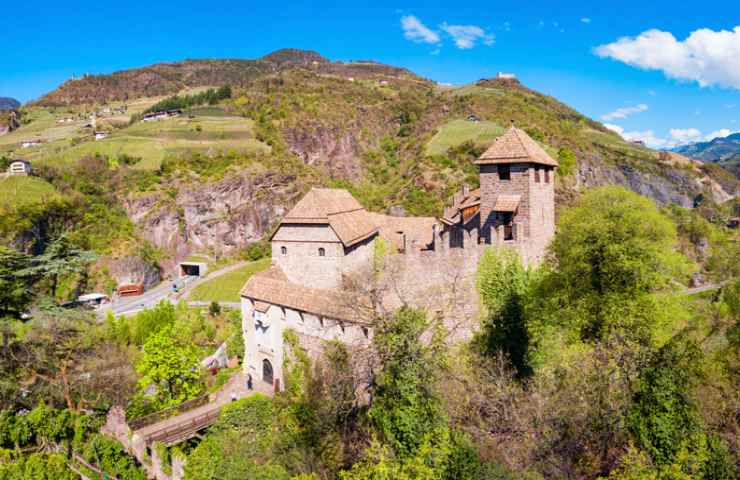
(515, 146)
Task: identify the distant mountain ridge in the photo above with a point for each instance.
(171, 77)
(724, 151)
(8, 103)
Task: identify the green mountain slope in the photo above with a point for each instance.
(220, 176)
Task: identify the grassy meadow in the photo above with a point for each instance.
(19, 190)
(226, 287)
(456, 132)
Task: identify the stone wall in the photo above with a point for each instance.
(301, 261)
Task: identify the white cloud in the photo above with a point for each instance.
(624, 112)
(541, 24)
(706, 56)
(684, 135)
(585, 20)
(417, 32)
(614, 128)
(466, 36)
(648, 137)
(721, 133)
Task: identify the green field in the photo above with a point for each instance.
(226, 287)
(456, 132)
(19, 190)
(153, 141)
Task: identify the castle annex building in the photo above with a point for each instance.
(328, 235)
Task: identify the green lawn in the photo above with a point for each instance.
(226, 287)
(456, 132)
(18, 190)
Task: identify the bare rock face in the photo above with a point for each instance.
(134, 269)
(217, 217)
(336, 150)
(673, 186)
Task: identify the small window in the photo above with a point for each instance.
(504, 172)
(537, 174)
(547, 175)
(283, 250)
(322, 252)
(365, 332)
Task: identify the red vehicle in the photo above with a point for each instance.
(131, 290)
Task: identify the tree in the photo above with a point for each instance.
(612, 263)
(171, 367)
(567, 162)
(404, 407)
(15, 291)
(60, 258)
(663, 419)
(502, 284)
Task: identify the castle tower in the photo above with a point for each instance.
(517, 195)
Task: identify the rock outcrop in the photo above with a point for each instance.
(218, 217)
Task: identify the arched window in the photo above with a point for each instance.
(322, 252)
(283, 250)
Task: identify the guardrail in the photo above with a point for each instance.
(184, 429)
(152, 418)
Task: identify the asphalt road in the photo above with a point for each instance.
(130, 305)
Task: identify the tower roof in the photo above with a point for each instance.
(515, 146)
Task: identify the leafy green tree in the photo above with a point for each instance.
(170, 366)
(663, 418)
(15, 288)
(240, 444)
(567, 162)
(59, 259)
(502, 284)
(404, 407)
(612, 263)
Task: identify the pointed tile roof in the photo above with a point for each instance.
(515, 146)
(319, 203)
(335, 207)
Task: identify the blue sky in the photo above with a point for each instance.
(674, 77)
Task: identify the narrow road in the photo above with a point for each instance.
(163, 291)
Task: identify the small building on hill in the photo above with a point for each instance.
(101, 135)
(505, 76)
(19, 167)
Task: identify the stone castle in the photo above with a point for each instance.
(328, 237)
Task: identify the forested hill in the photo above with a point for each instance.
(169, 78)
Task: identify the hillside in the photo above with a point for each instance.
(724, 151)
(220, 176)
(169, 78)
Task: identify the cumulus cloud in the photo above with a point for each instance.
(721, 133)
(706, 56)
(677, 136)
(648, 137)
(684, 135)
(624, 112)
(417, 32)
(585, 20)
(466, 36)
